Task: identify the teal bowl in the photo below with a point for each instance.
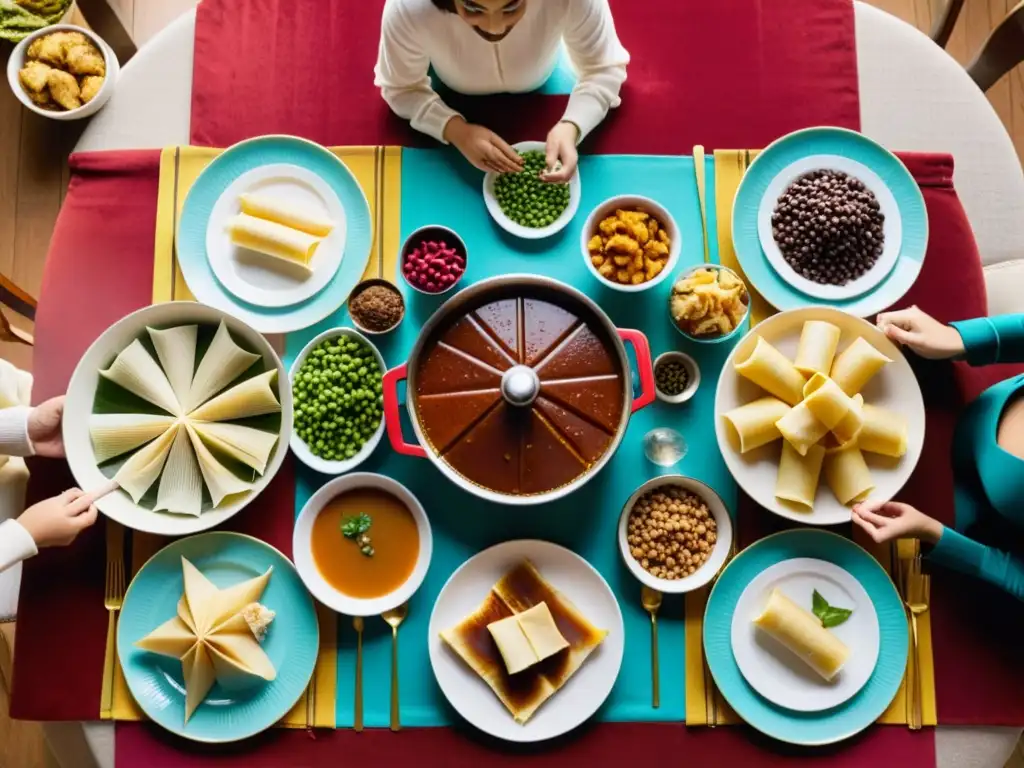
(741, 326)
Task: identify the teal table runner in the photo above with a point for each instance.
(438, 187)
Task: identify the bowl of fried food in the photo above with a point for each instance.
(62, 72)
(630, 243)
(709, 303)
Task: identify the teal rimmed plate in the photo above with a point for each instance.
(853, 146)
(218, 176)
(829, 725)
(291, 642)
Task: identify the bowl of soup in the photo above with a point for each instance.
(362, 544)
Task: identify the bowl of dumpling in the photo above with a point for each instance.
(183, 408)
(63, 72)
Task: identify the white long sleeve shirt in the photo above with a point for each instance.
(15, 542)
(416, 35)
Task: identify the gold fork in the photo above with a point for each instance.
(899, 578)
(113, 598)
(917, 595)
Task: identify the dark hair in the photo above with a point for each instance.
(448, 6)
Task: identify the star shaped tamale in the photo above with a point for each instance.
(176, 445)
(211, 636)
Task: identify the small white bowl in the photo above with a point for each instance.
(741, 326)
(531, 233)
(631, 202)
(369, 283)
(719, 554)
(432, 232)
(692, 371)
(298, 446)
(303, 555)
(17, 60)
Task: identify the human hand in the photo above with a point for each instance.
(561, 153)
(44, 428)
(887, 520)
(482, 147)
(922, 333)
(55, 522)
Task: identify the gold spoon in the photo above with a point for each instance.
(394, 617)
(651, 601)
(357, 624)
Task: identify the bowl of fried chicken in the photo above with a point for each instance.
(62, 72)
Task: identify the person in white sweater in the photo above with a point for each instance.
(26, 431)
(499, 46)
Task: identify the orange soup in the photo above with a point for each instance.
(393, 538)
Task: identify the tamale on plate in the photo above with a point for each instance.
(517, 591)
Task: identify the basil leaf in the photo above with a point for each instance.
(819, 605)
(828, 615)
(835, 616)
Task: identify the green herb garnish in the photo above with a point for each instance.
(355, 525)
(829, 615)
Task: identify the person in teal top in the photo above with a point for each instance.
(988, 453)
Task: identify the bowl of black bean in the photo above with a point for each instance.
(676, 377)
(830, 227)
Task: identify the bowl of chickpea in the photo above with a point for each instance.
(675, 534)
(630, 243)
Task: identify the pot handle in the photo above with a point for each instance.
(393, 412)
(644, 366)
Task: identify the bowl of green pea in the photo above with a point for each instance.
(524, 205)
(339, 416)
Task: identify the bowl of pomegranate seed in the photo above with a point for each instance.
(433, 259)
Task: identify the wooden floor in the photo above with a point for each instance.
(30, 198)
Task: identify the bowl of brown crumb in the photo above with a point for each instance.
(62, 72)
(674, 533)
(376, 306)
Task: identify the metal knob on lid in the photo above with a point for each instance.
(520, 385)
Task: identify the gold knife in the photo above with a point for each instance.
(698, 170)
(357, 720)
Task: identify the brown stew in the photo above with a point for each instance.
(520, 449)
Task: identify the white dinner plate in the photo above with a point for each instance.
(892, 227)
(777, 673)
(585, 691)
(895, 388)
(80, 405)
(260, 279)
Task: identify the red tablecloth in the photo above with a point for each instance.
(722, 73)
(734, 73)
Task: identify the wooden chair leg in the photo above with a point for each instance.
(9, 332)
(942, 29)
(12, 296)
(104, 22)
(1001, 52)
